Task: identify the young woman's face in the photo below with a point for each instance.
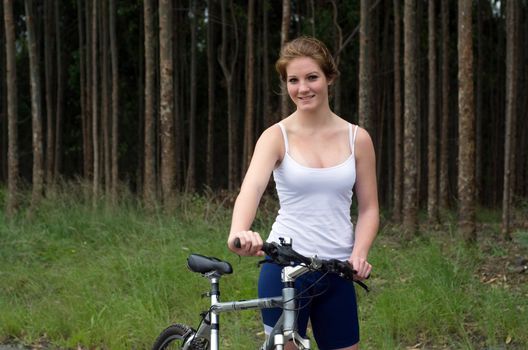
(307, 84)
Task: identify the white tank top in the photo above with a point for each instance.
(315, 205)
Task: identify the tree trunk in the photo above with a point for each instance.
(365, 79)
(12, 112)
(36, 108)
(150, 139)
(59, 106)
(466, 123)
(285, 29)
(410, 191)
(269, 119)
(444, 127)
(82, 79)
(95, 104)
(115, 101)
(432, 179)
(398, 156)
(209, 170)
(338, 44)
(249, 125)
(105, 100)
(87, 123)
(50, 89)
(512, 73)
(177, 115)
(190, 183)
(479, 113)
(228, 68)
(168, 157)
(3, 103)
(311, 19)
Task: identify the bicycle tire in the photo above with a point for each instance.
(175, 336)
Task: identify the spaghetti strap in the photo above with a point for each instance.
(352, 137)
(285, 137)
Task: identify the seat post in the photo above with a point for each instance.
(215, 318)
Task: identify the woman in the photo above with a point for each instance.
(317, 159)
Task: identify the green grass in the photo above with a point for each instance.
(113, 277)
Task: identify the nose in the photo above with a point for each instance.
(303, 86)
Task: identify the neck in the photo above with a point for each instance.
(315, 118)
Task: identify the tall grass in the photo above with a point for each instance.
(112, 277)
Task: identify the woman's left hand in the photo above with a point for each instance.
(361, 266)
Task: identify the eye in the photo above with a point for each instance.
(313, 77)
(292, 80)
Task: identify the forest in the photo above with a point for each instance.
(167, 97)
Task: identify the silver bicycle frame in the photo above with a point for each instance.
(286, 327)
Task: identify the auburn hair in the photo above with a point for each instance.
(306, 46)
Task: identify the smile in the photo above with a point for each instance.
(304, 98)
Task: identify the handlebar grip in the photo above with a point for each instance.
(238, 245)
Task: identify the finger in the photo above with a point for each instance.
(366, 271)
(256, 243)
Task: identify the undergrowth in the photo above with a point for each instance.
(112, 276)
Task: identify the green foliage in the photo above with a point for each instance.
(112, 277)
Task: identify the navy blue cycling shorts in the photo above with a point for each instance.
(330, 306)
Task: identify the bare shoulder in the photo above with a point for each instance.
(271, 141)
(363, 143)
(271, 136)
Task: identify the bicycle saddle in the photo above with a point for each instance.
(205, 264)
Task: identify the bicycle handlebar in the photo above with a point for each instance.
(284, 255)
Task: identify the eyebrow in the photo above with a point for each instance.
(294, 76)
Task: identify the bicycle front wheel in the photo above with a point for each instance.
(175, 336)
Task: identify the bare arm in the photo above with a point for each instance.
(368, 207)
(267, 154)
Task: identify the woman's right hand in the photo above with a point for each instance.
(250, 243)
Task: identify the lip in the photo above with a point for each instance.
(306, 98)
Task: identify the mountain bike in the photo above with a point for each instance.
(206, 335)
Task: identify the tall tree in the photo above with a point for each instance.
(105, 98)
(36, 106)
(190, 183)
(228, 68)
(338, 44)
(479, 115)
(3, 100)
(82, 77)
(149, 181)
(512, 72)
(12, 111)
(466, 123)
(285, 32)
(410, 184)
(115, 100)
(398, 149)
(59, 103)
(444, 127)
(249, 118)
(95, 102)
(311, 19)
(365, 79)
(50, 88)
(168, 157)
(87, 117)
(268, 118)
(432, 179)
(209, 168)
